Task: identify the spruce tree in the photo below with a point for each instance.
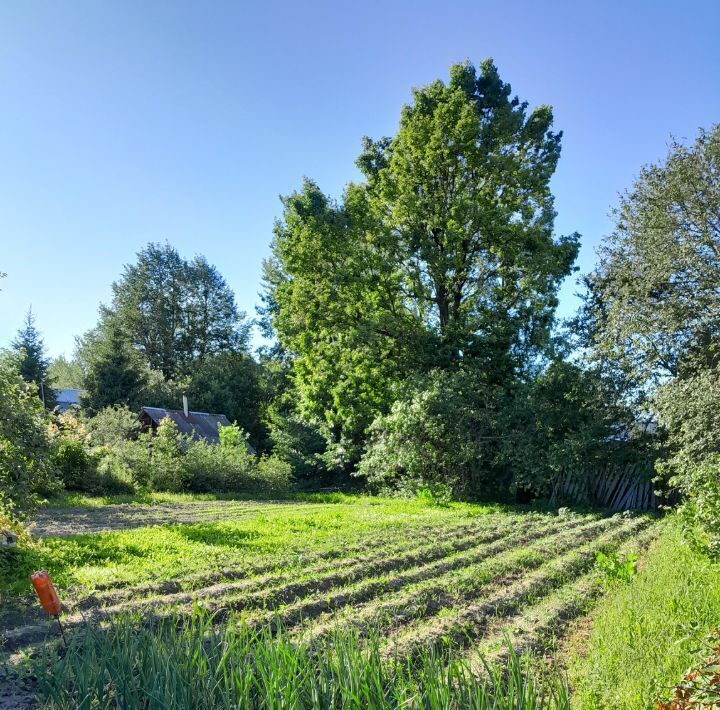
(115, 374)
(34, 364)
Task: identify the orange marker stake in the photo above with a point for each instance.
(48, 597)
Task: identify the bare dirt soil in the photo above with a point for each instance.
(65, 522)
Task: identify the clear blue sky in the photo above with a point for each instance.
(126, 122)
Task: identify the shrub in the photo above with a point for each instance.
(274, 475)
(25, 472)
(16, 561)
(689, 409)
(700, 484)
(76, 467)
(163, 468)
(112, 426)
(444, 429)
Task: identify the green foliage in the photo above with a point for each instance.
(444, 254)
(114, 372)
(230, 384)
(19, 562)
(33, 363)
(644, 635)
(112, 426)
(700, 686)
(700, 484)
(565, 419)
(24, 444)
(294, 439)
(170, 461)
(443, 430)
(193, 662)
(66, 374)
(174, 313)
(438, 494)
(483, 440)
(653, 305)
(689, 408)
(616, 568)
(73, 463)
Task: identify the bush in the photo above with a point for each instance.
(171, 461)
(700, 485)
(17, 562)
(112, 426)
(25, 472)
(274, 475)
(444, 429)
(690, 412)
(230, 467)
(76, 467)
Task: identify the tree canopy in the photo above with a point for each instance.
(444, 255)
(653, 303)
(175, 313)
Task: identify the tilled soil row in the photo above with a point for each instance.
(538, 627)
(265, 594)
(425, 591)
(458, 629)
(273, 590)
(333, 557)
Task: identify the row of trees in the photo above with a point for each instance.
(172, 328)
(413, 321)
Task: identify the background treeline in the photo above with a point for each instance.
(412, 329)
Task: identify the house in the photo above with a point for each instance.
(66, 398)
(199, 425)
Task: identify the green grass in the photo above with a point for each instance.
(647, 633)
(163, 552)
(192, 662)
(82, 500)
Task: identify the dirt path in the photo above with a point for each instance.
(65, 522)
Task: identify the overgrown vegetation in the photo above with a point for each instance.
(193, 662)
(646, 634)
(414, 352)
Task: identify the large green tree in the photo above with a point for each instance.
(64, 372)
(653, 303)
(33, 361)
(175, 313)
(231, 384)
(444, 254)
(652, 311)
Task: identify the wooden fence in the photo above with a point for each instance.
(626, 487)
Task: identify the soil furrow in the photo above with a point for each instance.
(460, 625)
(366, 592)
(334, 557)
(427, 595)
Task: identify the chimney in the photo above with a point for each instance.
(185, 406)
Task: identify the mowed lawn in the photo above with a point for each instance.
(414, 572)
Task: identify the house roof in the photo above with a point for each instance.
(66, 398)
(199, 425)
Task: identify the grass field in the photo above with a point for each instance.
(410, 574)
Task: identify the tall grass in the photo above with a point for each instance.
(647, 633)
(193, 663)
